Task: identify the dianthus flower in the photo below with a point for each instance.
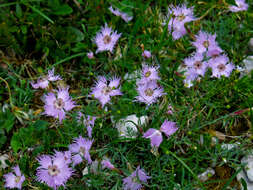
(123, 15)
(106, 39)
(53, 170)
(56, 106)
(135, 180)
(146, 54)
(104, 91)
(107, 164)
(220, 66)
(196, 64)
(14, 180)
(149, 92)
(43, 82)
(90, 55)
(149, 73)
(178, 17)
(207, 43)
(168, 128)
(80, 150)
(190, 76)
(241, 6)
(66, 155)
(87, 121)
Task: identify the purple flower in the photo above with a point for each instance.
(57, 105)
(149, 92)
(170, 110)
(146, 54)
(103, 92)
(196, 64)
(168, 128)
(88, 121)
(80, 150)
(43, 82)
(14, 180)
(106, 39)
(123, 15)
(220, 66)
(178, 17)
(53, 170)
(107, 164)
(148, 74)
(241, 6)
(207, 43)
(135, 180)
(66, 155)
(90, 55)
(190, 76)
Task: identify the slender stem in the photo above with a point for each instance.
(9, 91)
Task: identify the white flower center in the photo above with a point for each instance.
(107, 39)
(59, 103)
(149, 92)
(106, 90)
(53, 170)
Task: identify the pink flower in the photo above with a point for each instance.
(149, 73)
(196, 64)
(107, 164)
(66, 155)
(178, 17)
(80, 150)
(53, 170)
(43, 82)
(190, 76)
(135, 180)
(146, 54)
(168, 128)
(123, 15)
(207, 43)
(88, 121)
(170, 110)
(90, 55)
(56, 106)
(241, 6)
(106, 39)
(104, 91)
(14, 180)
(149, 92)
(220, 66)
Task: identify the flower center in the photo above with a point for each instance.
(59, 103)
(82, 151)
(106, 90)
(147, 74)
(206, 44)
(149, 92)
(181, 17)
(197, 65)
(107, 39)
(17, 179)
(221, 67)
(53, 170)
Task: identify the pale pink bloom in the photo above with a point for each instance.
(146, 54)
(123, 15)
(149, 92)
(178, 16)
(106, 39)
(196, 64)
(170, 110)
(168, 128)
(221, 66)
(241, 5)
(148, 73)
(90, 55)
(207, 43)
(43, 82)
(104, 91)
(14, 180)
(88, 121)
(107, 164)
(57, 105)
